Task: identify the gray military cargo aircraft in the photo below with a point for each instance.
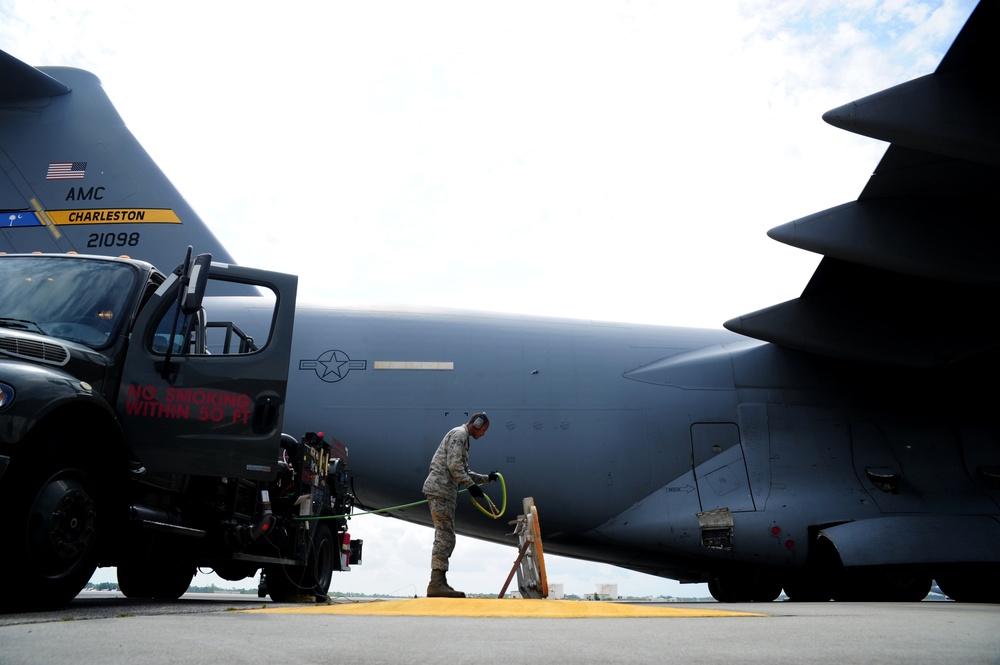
(840, 445)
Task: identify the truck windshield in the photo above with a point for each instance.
(76, 299)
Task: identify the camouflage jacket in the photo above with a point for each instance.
(449, 470)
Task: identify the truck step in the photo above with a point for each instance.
(174, 529)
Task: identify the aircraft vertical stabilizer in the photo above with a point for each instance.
(74, 178)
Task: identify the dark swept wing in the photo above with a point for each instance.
(909, 275)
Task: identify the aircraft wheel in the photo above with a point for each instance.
(715, 588)
(750, 588)
(164, 580)
(970, 584)
(808, 588)
(906, 588)
(293, 584)
(888, 584)
(822, 574)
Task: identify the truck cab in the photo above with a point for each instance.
(136, 431)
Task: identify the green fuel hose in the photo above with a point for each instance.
(490, 510)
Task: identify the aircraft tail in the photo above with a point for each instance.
(74, 178)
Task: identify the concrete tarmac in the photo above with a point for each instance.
(106, 628)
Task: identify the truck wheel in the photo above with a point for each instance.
(53, 539)
(308, 583)
(162, 580)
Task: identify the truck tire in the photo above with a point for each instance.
(54, 536)
(158, 579)
(308, 583)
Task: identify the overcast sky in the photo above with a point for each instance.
(601, 160)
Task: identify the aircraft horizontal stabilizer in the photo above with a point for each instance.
(21, 81)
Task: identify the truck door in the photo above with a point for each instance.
(203, 393)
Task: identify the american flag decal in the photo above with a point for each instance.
(66, 171)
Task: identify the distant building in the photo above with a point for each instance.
(606, 592)
(556, 592)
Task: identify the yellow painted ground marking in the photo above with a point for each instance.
(507, 607)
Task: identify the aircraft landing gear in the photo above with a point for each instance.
(808, 588)
(827, 579)
(751, 587)
(896, 584)
(970, 584)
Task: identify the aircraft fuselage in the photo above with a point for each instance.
(681, 452)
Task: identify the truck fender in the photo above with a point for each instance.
(41, 392)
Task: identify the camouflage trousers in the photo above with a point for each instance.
(443, 514)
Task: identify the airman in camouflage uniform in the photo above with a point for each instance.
(449, 472)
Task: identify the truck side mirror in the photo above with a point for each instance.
(193, 284)
(197, 279)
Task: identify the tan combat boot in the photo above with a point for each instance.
(438, 588)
